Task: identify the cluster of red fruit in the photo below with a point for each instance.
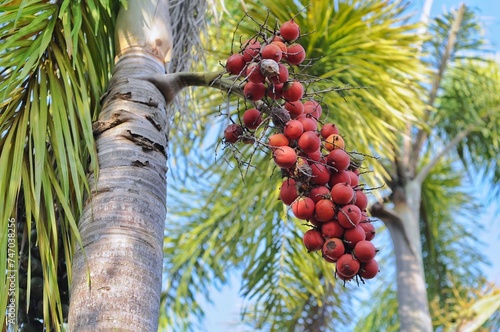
(321, 181)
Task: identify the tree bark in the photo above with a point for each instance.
(117, 272)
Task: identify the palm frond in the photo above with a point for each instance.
(468, 309)
(55, 60)
(451, 232)
(470, 98)
(469, 39)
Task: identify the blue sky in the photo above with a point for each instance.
(225, 311)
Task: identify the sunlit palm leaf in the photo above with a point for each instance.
(471, 97)
(55, 60)
(468, 309)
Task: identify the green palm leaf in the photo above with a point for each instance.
(55, 60)
(448, 213)
(471, 99)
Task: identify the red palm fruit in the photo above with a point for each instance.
(293, 90)
(313, 241)
(369, 230)
(252, 118)
(361, 200)
(354, 235)
(295, 108)
(316, 156)
(329, 129)
(303, 208)
(275, 91)
(290, 31)
(333, 142)
(295, 54)
(329, 260)
(280, 44)
(293, 129)
(288, 191)
(364, 251)
(278, 140)
(369, 270)
(347, 266)
(284, 156)
(339, 177)
(254, 91)
(354, 178)
(235, 64)
(318, 193)
(331, 229)
(320, 173)
(282, 76)
(308, 123)
(349, 216)
(254, 74)
(344, 278)
(338, 159)
(313, 108)
(333, 248)
(342, 193)
(232, 133)
(271, 51)
(315, 222)
(309, 141)
(324, 210)
(251, 49)
(278, 38)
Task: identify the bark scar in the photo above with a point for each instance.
(123, 96)
(98, 127)
(139, 163)
(145, 142)
(153, 121)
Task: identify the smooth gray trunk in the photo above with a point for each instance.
(413, 305)
(117, 275)
(117, 279)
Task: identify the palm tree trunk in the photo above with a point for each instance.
(117, 272)
(403, 224)
(413, 304)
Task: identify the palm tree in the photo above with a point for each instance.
(79, 190)
(360, 43)
(56, 60)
